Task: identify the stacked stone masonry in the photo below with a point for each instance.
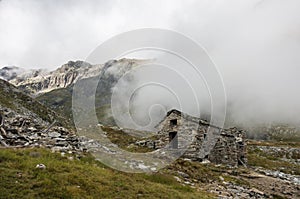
(202, 141)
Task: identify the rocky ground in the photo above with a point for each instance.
(285, 153)
(19, 131)
(241, 183)
(261, 186)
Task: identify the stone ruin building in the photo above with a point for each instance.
(229, 147)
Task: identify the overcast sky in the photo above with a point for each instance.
(255, 43)
(50, 32)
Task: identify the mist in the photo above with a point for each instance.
(255, 44)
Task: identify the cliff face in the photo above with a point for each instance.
(62, 77)
(36, 82)
(61, 99)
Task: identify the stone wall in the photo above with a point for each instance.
(226, 146)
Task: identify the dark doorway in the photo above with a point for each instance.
(173, 139)
(173, 122)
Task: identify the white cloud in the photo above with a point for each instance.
(255, 43)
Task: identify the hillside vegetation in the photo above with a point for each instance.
(84, 178)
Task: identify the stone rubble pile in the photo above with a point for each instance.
(146, 143)
(26, 131)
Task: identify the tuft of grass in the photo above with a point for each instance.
(84, 178)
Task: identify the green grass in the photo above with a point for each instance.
(84, 178)
(59, 100)
(258, 158)
(274, 143)
(206, 173)
(123, 140)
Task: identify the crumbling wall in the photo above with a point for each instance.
(229, 148)
(224, 151)
(186, 131)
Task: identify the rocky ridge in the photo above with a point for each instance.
(40, 81)
(64, 76)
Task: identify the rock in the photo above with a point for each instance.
(131, 146)
(256, 191)
(146, 143)
(54, 134)
(70, 158)
(59, 149)
(205, 161)
(177, 179)
(33, 129)
(142, 166)
(40, 166)
(153, 169)
(182, 174)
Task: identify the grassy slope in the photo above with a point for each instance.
(85, 178)
(60, 100)
(258, 158)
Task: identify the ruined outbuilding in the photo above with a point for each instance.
(222, 146)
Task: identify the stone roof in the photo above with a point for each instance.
(228, 132)
(188, 117)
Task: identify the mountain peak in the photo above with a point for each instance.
(77, 64)
(73, 65)
(40, 81)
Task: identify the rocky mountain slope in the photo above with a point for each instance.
(40, 81)
(54, 89)
(15, 100)
(16, 75)
(61, 99)
(24, 119)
